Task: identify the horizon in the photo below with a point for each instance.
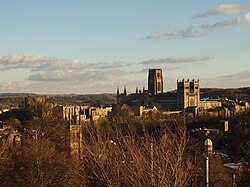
(91, 47)
(114, 93)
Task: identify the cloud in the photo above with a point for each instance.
(46, 64)
(175, 60)
(190, 32)
(194, 32)
(15, 86)
(153, 36)
(71, 76)
(105, 65)
(38, 63)
(230, 22)
(57, 75)
(240, 79)
(48, 74)
(168, 33)
(245, 75)
(222, 9)
(22, 58)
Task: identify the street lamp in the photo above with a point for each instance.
(208, 151)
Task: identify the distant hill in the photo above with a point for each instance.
(232, 93)
(89, 99)
(109, 99)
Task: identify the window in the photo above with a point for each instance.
(192, 102)
(158, 86)
(158, 75)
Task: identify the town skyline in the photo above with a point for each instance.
(87, 47)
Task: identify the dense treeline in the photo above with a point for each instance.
(88, 99)
(122, 151)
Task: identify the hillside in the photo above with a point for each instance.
(232, 93)
(15, 99)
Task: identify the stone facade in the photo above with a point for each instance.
(76, 141)
(99, 112)
(187, 94)
(80, 114)
(155, 81)
(75, 114)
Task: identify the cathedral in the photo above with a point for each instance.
(187, 95)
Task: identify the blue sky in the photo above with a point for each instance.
(93, 46)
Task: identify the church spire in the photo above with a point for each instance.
(125, 90)
(117, 91)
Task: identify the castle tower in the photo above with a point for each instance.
(188, 93)
(155, 81)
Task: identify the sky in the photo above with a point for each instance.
(95, 46)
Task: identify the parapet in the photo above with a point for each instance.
(188, 81)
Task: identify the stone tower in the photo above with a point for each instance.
(76, 141)
(188, 93)
(155, 81)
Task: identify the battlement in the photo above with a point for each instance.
(188, 81)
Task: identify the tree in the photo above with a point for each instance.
(125, 159)
(6, 164)
(39, 164)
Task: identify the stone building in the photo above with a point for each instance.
(155, 81)
(99, 112)
(76, 141)
(75, 114)
(186, 96)
(82, 114)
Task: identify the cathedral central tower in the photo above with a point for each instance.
(155, 81)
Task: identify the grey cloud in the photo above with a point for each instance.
(190, 32)
(145, 70)
(105, 75)
(153, 36)
(222, 9)
(175, 60)
(239, 76)
(193, 32)
(22, 58)
(105, 65)
(52, 76)
(69, 76)
(240, 79)
(45, 64)
(230, 22)
(14, 86)
(168, 33)
(38, 63)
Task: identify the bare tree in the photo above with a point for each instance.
(118, 159)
